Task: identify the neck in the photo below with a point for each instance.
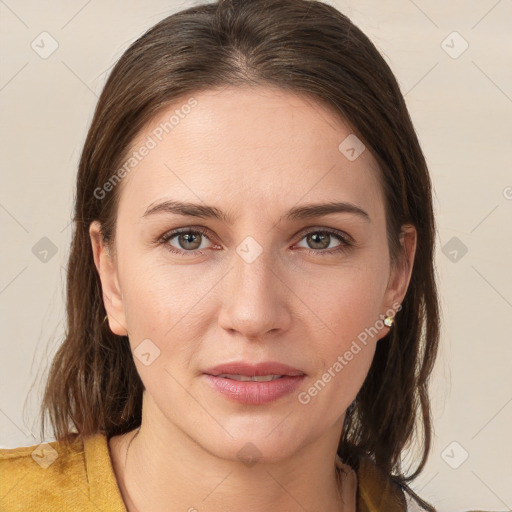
(171, 471)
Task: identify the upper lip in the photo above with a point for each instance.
(253, 370)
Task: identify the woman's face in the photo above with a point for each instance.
(252, 283)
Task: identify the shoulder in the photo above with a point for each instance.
(376, 491)
(51, 476)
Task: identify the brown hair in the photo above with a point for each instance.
(306, 47)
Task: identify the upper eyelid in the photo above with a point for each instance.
(319, 229)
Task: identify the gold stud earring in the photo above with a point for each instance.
(388, 321)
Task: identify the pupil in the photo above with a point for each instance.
(318, 238)
(189, 238)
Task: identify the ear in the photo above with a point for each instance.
(107, 270)
(400, 274)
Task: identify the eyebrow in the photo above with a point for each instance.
(298, 212)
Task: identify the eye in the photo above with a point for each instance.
(188, 240)
(319, 241)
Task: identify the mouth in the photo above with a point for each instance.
(254, 384)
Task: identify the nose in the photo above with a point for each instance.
(256, 298)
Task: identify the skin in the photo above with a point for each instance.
(253, 153)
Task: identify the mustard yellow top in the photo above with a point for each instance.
(46, 478)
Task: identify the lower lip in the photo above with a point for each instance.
(255, 393)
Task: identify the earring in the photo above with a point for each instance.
(388, 321)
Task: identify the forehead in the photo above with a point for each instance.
(247, 148)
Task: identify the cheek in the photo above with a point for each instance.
(157, 294)
(166, 305)
(158, 310)
(344, 302)
(343, 313)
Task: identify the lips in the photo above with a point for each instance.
(241, 368)
(254, 384)
(254, 393)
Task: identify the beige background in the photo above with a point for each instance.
(462, 111)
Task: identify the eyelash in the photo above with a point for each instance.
(342, 237)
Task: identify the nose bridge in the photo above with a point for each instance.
(253, 266)
(254, 300)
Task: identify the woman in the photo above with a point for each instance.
(251, 296)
